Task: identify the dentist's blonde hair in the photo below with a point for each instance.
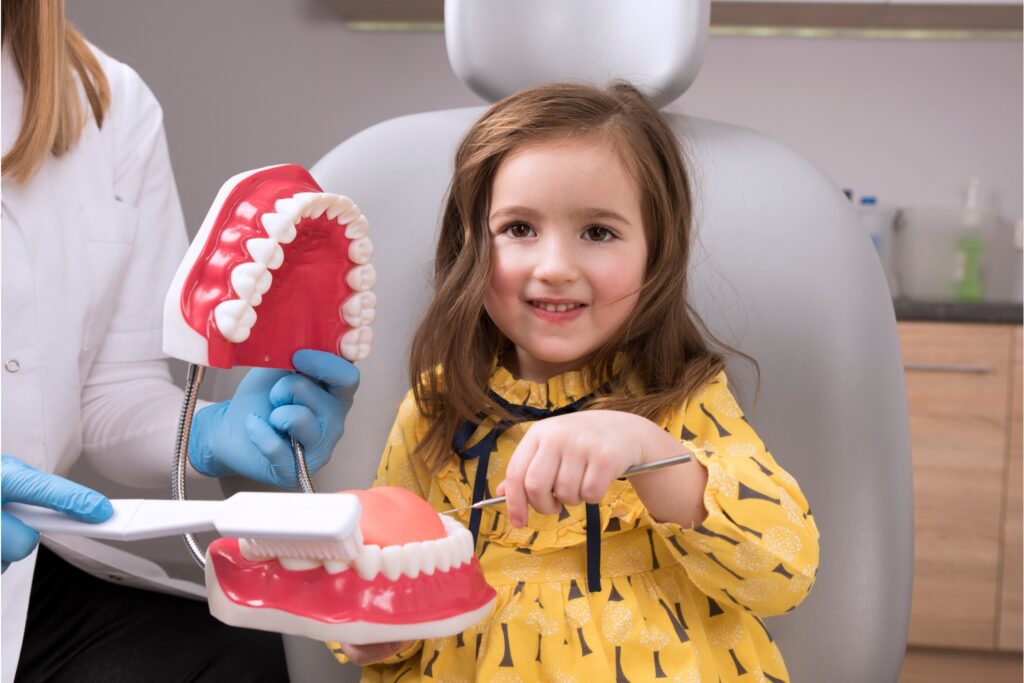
(661, 348)
(53, 62)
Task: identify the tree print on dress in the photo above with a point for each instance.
(655, 640)
(577, 612)
(616, 627)
(541, 623)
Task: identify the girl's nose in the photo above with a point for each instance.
(556, 261)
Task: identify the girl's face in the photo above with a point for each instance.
(569, 252)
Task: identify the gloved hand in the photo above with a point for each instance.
(249, 435)
(21, 483)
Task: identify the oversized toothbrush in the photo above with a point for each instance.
(277, 266)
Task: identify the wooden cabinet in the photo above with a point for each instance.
(963, 390)
(1008, 634)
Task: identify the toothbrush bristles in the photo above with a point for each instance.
(345, 549)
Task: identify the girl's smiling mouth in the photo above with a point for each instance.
(556, 310)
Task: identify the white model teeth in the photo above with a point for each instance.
(280, 227)
(368, 561)
(360, 227)
(298, 564)
(251, 280)
(360, 309)
(355, 344)
(360, 251)
(235, 319)
(410, 559)
(555, 308)
(342, 206)
(391, 561)
(348, 214)
(411, 553)
(266, 251)
(362, 278)
(292, 208)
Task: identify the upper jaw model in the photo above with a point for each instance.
(414, 576)
(276, 260)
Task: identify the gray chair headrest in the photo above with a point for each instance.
(497, 47)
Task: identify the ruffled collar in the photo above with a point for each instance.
(557, 392)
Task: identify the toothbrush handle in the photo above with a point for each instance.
(249, 514)
(133, 519)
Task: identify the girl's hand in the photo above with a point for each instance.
(575, 458)
(374, 652)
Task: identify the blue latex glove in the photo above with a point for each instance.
(21, 483)
(249, 435)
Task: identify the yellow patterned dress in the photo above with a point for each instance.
(679, 604)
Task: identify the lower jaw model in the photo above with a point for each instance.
(415, 576)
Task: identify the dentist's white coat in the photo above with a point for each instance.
(90, 245)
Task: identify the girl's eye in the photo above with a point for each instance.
(598, 233)
(518, 230)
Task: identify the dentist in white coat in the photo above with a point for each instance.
(92, 233)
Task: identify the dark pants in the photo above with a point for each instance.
(84, 630)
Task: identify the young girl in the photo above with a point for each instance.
(560, 350)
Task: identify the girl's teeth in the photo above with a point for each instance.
(556, 308)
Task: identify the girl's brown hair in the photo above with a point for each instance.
(663, 341)
(53, 61)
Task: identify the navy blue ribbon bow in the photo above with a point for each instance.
(483, 448)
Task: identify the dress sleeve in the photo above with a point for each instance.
(758, 546)
(397, 467)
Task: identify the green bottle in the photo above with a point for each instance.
(967, 284)
(970, 246)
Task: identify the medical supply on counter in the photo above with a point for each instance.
(880, 222)
(970, 249)
(941, 252)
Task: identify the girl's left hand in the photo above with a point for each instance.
(574, 458)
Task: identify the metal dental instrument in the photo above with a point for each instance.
(635, 469)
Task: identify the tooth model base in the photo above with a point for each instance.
(343, 606)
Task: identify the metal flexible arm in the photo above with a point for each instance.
(178, 492)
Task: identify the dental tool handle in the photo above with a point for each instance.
(635, 469)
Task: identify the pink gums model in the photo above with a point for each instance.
(415, 576)
(278, 265)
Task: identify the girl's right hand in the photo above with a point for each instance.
(373, 652)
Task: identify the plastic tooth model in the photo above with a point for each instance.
(413, 576)
(277, 265)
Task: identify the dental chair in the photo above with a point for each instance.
(782, 271)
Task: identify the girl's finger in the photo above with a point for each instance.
(569, 480)
(597, 477)
(515, 492)
(539, 481)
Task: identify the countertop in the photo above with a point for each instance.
(996, 312)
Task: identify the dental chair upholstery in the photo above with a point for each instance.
(783, 271)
